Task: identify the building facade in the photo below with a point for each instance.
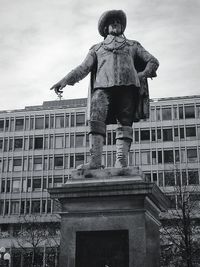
(41, 145)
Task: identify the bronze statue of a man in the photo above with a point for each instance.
(118, 86)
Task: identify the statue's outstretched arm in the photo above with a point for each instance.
(76, 74)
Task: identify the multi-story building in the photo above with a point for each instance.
(41, 145)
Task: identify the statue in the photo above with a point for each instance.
(118, 91)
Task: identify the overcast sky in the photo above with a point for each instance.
(42, 40)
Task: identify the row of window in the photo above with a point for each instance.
(39, 163)
(50, 141)
(28, 184)
(167, 134)
(174, 177)
(176, 200)
(23, 206)
(66, 161)
(82, 139)
(174, 112)
(78, 119)
(165, 156)
(42, 122)
(27, 206)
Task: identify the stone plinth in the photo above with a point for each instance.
(110, 222)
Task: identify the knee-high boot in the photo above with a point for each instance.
(123, 142)
(96, 147)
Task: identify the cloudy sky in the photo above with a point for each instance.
(42, 40)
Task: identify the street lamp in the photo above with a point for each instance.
(5, 258)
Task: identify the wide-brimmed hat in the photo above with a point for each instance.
(106, 16)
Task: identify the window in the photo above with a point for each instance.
(38, 142)
(15, 207)
(19, 124)
(182, 132)
(46, 121)
(18, 143)
(159, 156)
(37, 164)
(37, 184)
(27, 123)
(36, 206)
(166, 113)
(152, 114)
(177, 156)
(58, 181)
(58, 162)
(158, 134)
(16, 185)
(59, 121)
(168, 156)
(190, 131)
(80, 119)
(153, 157)
(39, 122)
(109, 138)
(198, 111)
(155, 178)
(71, 140)
(136, 136)
(71, 161)
(145, 157)
(180, 112)
(79, 141)
(67, 120)
(193, 177)
(10, 144)
(158, 114)
(167, 135)
(176, 132)
(183, 155)
(145, 135)
(175, 110)
(189, 112)
(79, 159)
(17, 164)
(192, 155)
(51, 121)
(160, 179)
(153, 135)
(1, 143)
(7, 125)
(5, 144)
(169, 178)
(59, 142)
(72, 120)
(1, 125)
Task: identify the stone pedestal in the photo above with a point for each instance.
(111, 221)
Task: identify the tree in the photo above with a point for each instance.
(37, 241)
(180, 231)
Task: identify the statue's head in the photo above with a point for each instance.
(112, 22)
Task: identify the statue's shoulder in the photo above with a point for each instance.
(96, 47)
(132, 42)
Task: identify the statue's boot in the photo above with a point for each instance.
(96, 147)
(122, 149)
(124, 137)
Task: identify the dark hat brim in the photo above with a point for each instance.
(106, 16)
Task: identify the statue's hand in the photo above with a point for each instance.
(58, 87)
(141, 75)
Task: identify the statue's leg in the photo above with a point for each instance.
(126, 103)
(97, 129)
(124, 135)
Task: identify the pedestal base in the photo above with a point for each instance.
(109, 222)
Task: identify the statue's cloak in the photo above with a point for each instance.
(143, 107)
